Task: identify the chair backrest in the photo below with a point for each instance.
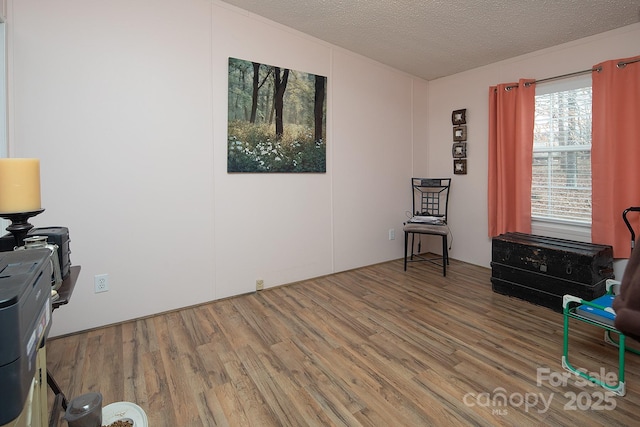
(626, 221)
(431, 196)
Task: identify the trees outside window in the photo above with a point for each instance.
(561, 181)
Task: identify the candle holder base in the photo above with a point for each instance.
(20, 225)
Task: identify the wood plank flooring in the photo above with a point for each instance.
(375, 346)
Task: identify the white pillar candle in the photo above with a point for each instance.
(19, 185)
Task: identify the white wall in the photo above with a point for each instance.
(468, 205)
(125, 103)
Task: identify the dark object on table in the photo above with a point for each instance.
(55, 235)
(58, 236)
(7, 242)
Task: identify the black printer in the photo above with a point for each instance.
(25, 320)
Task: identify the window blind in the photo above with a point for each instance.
(561, 178)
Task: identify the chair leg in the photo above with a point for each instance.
(447, 246)
(406, 241)
(445, 256)
(621, 350)
(408, 256)
(619, 387)
(413, 243)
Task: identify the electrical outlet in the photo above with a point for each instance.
(392, 234)
(259, 285)
(101, 282)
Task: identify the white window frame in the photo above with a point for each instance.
(4, 149)
(553, 227)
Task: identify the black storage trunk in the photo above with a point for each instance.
(542, 269)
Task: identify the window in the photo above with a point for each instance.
(561, 178)
(3, 104)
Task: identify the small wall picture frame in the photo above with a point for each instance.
(459, 150)
(460, 133)
(459, 117)
(460, 166)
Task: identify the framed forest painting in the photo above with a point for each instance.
(276, 119)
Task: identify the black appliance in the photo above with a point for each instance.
(25, 319)
(55, 235)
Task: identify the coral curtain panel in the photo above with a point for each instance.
(615, 151)
(511, 118)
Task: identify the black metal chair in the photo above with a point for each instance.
(430, 208)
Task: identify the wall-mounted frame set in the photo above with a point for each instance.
(459, 148)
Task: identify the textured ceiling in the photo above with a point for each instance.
(436, 38)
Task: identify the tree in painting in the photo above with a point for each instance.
(277, 119)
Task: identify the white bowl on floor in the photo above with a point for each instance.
(124, 411)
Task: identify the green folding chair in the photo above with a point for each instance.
(597, 313)
(600, 313)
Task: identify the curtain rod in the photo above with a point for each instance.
(620, 64)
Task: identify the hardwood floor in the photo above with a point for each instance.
(375, 346)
